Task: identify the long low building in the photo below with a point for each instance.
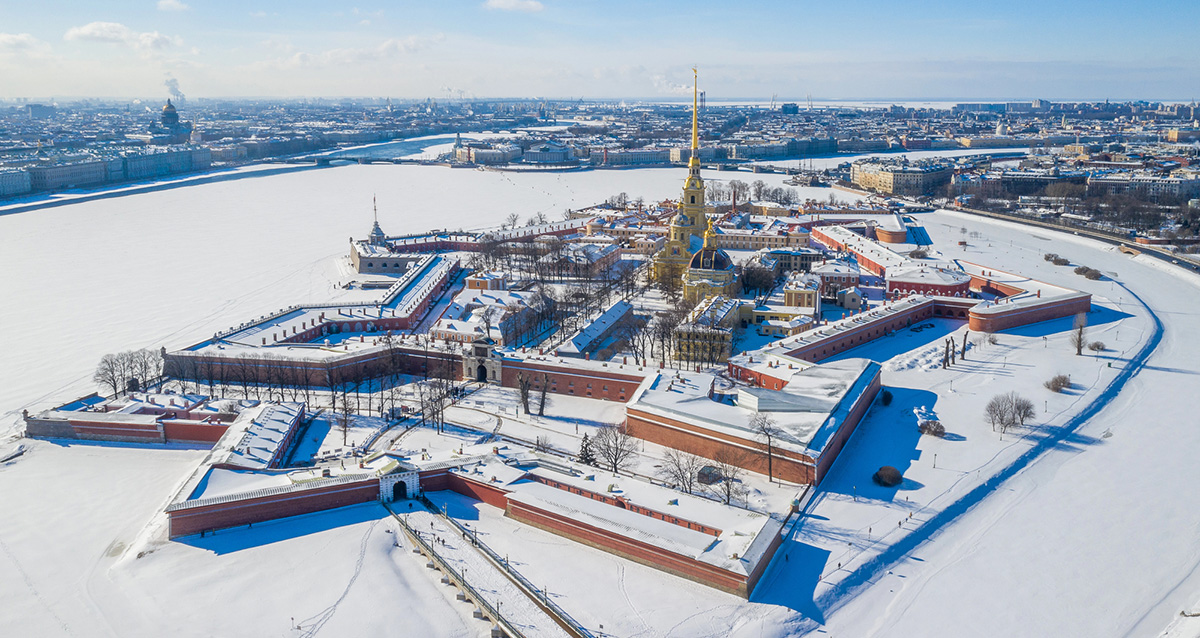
(813, 415)
(724, 547)
(142, 417)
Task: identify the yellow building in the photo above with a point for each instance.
(677, 252)
(710, 272)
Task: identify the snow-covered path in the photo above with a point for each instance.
(495, 587)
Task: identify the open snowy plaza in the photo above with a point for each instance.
(1082, 521)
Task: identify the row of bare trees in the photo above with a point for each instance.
(371, 388)
(715, 192)
(683, 471)
(129, 371)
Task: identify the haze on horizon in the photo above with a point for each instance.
(601, 49)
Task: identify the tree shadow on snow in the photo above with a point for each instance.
(236, 539)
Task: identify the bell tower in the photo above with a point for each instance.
(692, 203)
(686, 223)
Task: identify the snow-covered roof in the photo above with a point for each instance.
(254, 439)
(801, 409)
(587, 336)
(922, 274)
(719, 535)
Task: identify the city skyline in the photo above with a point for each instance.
(530, 48)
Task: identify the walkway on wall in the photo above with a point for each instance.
(486, 584)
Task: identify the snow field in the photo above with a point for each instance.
(1085, 540)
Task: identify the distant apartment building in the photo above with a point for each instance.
(766, 150)
(682, 154)
(1183, 135)
(861, 145)
(14, 182)
(161, 164)
(548, 154)
(1153, 186)
(478, 154)
(630, 157)
(68, 175)
(812, 146)
(895, 178)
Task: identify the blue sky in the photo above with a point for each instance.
(601, 49)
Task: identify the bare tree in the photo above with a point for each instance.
(489, 314)
(542, 443)
(681, 469)
(615, 447)
(1009, 409)
(1022, 409)
(1078, 333)
(998, 410)
(524, 384)
(542, 398)
(343, 417)
(765, 428)
(729, 487)
(108, 373)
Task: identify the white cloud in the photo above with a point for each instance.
(21, 42)
(116, 33)
(345, 57)
(527, 6)
(172, 5)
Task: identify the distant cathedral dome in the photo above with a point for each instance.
(170, 117)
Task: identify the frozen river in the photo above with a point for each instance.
(172, 266)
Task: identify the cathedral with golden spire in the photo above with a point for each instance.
(703, 268)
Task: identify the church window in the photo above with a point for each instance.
(693, 200)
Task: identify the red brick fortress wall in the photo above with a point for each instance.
(695, 439)
(234, 513)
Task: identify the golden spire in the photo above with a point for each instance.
(695, 160)
(710, 235)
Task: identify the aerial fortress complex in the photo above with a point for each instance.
(441, 320)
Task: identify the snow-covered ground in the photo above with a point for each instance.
(1084, 535)
(1089, 531)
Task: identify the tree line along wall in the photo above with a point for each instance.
(253, 367)
(258, 366)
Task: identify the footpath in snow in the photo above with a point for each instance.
(492, 584)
